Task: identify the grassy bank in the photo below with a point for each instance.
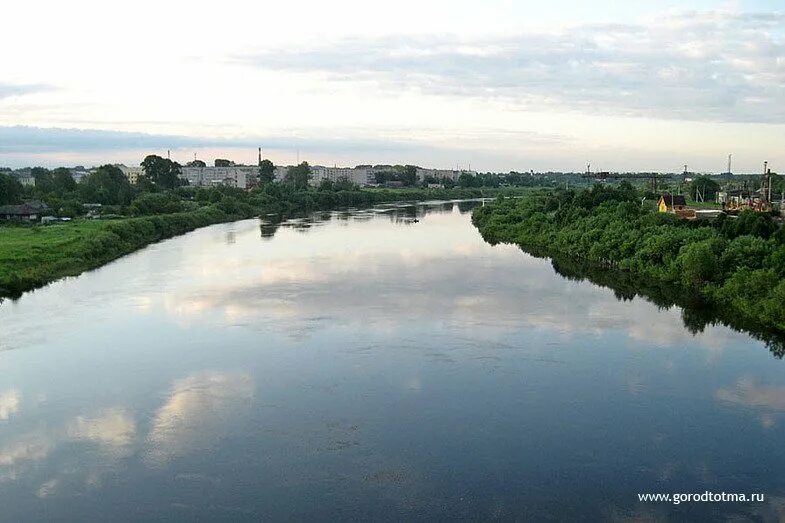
(32, 256)
(732, 265)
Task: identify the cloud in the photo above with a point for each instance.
(24, 139)
(112, 429)
(199, 409)
(9, 90)
(13, 457)
(110, 434)
(747, 393)
(705, 66)
(36, 139)
(9, 404)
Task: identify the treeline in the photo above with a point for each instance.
(732, 264)
(107, 185)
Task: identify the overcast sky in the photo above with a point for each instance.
(498, 84)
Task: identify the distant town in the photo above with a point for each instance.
(227, 173)
(688, 194)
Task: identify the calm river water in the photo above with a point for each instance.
(362, 364)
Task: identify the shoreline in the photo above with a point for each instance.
(32, 257)
(700, 307)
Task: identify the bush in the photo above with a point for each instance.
(156, 203)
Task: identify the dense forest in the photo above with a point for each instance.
(733, 265)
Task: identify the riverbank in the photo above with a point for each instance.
(33, 256)
(733, 266)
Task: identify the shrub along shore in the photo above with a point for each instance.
(32, 256)
(733, 265)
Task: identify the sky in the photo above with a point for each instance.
(496, 85)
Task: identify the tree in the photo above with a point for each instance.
(383, 177)
(298, 175)
(196, 163)
(409, 175)
(10, 189)
(466, 180)
(156, 203)
(220, 162)
(703, 188)
(107, 185)
(162, 172)
(343, 183)
(326, 184)
(62, 181)
(43, 180)
(266, 172)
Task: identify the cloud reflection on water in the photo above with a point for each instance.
(199, 409)
(197, 412)
(9, 403)
(378, 275)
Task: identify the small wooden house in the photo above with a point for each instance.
(671, 203)
(26, 212)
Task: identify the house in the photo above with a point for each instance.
(26, 212)
(671, 203)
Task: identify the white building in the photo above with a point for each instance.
(132, 173)
(361, 176)
(233, 176)
(442, 173)
(25, 177)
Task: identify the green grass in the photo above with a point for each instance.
(32, 256)
(25, 250)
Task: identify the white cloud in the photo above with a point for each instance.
(9, 90)
(715, 66)
(9, 403)
(113, 428)
(199, 409)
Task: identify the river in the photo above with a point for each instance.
(375, 364)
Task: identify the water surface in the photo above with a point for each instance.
(362, 364)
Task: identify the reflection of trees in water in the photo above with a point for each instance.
(268, 228)
(467, 206)
(695, 312)
(400, 214)
(416, 212)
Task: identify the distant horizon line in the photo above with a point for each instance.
(531, 172)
